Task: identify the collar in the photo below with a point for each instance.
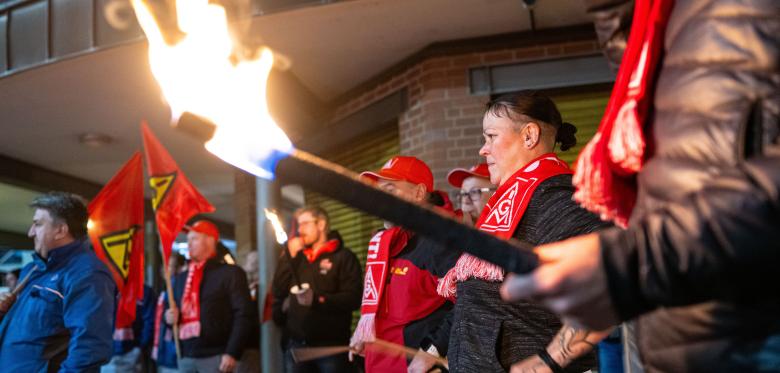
(327, 247)
(59, 254)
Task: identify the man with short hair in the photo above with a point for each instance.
(213, 304)
(475, 190)
(63, 318)
(400, 303)
(320, 314)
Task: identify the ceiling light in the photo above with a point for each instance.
(94, 139)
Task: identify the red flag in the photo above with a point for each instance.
(175, 199)
(116, 219)
(267, 305)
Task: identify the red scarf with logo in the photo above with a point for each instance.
(383, 246)
(607, 166)
(158, 312)
(327, 247)
(190, 302)
(500, 217)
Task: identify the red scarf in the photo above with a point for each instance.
(158, 312)
(500, 217)
(327, 247)
(190, 302)
(383, 246)
(607, 166)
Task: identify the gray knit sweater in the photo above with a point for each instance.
(488, 335)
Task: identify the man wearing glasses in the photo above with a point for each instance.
(475, 190)
(321, 314)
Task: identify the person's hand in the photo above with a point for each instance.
(6, 301)
(356, 348)
(570, 281)
(533, 364)
(467, 219)
(357, 345)
(227, 364)
(422, 362)
(171, 316)
(295, 245)
(305, 298)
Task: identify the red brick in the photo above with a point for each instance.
(529, 53)
(459, 82)
(435, 64)
(452, 113)
(576, 48)
(454, 133)
(498, 57)
(467, 142)
(468, 60)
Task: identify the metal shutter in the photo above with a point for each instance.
(582, 107)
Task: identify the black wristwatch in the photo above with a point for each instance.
(549, 361)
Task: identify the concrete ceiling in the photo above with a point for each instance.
(333, 48)
(336, 47)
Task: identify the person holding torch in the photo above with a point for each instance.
(316, 289)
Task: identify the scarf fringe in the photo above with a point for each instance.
(190, 330)
(123, 334)
(466, 268)
(626, 146)
(365, 330)
(606, 169)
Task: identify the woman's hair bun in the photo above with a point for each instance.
(565, 136)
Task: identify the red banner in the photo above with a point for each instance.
(116, 219)
(175, 199)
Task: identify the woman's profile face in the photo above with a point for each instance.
(503, 149)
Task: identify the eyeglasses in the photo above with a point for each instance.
(475, 194)
(302, 223)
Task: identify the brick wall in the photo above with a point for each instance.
(443, 122)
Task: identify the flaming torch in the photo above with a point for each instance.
(219, 94)
(281, 239)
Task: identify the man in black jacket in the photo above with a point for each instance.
(213, 306)
(699, 259)
(329, 289)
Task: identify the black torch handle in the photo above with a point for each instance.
(346, 186)
(340, 183)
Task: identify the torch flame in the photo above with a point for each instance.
(197, 75)
(273, 218)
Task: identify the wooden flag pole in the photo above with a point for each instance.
(171, 302)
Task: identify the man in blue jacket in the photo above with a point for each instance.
(62, 320)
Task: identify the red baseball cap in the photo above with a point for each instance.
(203, 226)
(401, 168)
(456, 176)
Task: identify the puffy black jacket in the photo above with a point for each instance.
(336, 279)
(225, 314)
(704, 240)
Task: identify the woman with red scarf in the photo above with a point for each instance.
(533, 203)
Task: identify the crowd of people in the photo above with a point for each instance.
(684, 277)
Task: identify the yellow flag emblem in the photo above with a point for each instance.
(118, 246)
(161, 185)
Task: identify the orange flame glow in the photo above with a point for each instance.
(273, 218)
(197, 75)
